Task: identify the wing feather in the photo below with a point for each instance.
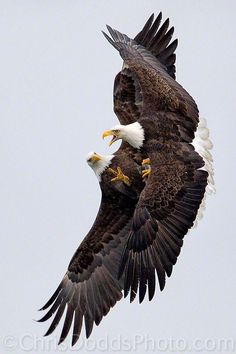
(57, 318)
(166, 210)
(78, 319)
(159, 92)
(67, 322)
(127, 91)
(91, 286)
(142, 35)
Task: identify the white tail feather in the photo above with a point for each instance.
(202, 145)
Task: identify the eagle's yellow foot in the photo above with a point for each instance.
(146, 172)
(119, 176)
(146, 161)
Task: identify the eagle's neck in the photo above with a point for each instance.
(133, 134)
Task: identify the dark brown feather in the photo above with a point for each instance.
(91, 287)
(127, 91)
(162, 98)
(162, 217)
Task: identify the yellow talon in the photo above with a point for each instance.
(146, 172)
(146, 161)
(112, 171)
(119, 176)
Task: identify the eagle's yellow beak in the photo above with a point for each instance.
(95, 158)
(115, 136)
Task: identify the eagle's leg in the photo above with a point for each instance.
(119, 176)
(146, 172)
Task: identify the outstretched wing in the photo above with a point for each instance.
(90, 286)
(156, 39)
(166, 210)
(156, 91)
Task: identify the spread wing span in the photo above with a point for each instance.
(90, 286)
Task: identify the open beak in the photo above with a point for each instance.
(109, 133)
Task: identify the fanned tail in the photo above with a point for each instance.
(203, 145)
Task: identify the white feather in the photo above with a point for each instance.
(99, 166)
(203, 145)
(132, 133)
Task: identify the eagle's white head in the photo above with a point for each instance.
(98, 163)
(132, 133)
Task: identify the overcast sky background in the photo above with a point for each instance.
(56, 77)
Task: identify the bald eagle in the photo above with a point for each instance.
(143, 214)
(166, 121)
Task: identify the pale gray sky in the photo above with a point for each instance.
(57, 75)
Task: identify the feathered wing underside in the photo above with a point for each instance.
(90, 286)
(159, 92)
(165, 212)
